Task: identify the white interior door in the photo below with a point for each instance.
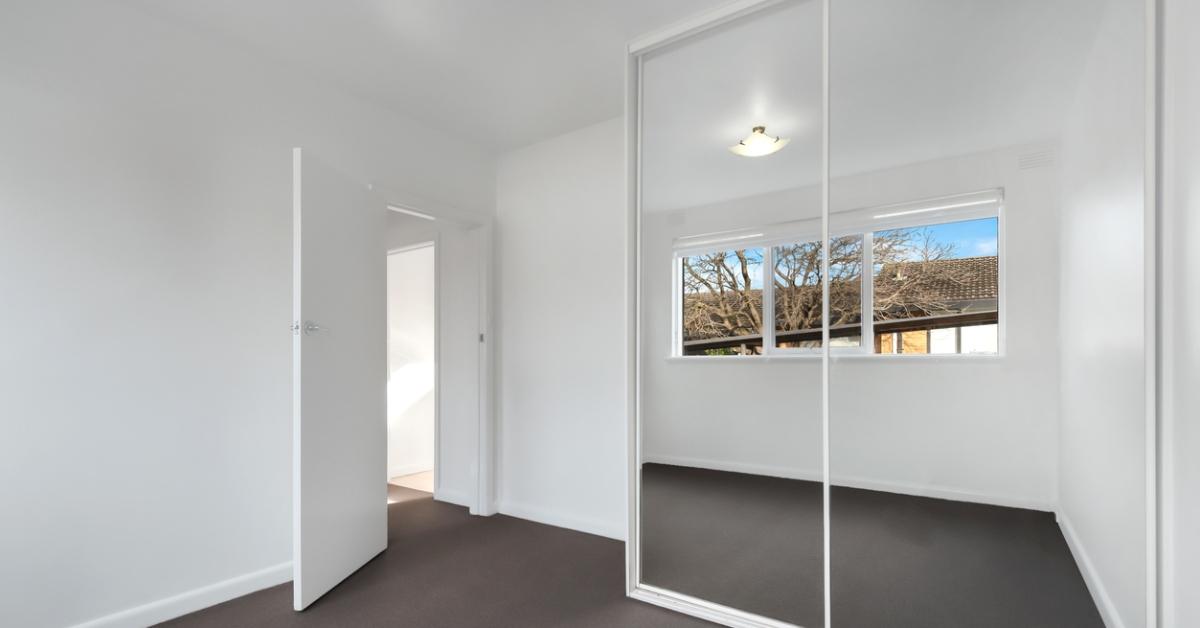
(339, 458)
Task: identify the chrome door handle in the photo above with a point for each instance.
(311, 327)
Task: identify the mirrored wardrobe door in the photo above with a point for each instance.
(730, 383)
(986, 385)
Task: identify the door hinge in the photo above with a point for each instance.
(295, 328)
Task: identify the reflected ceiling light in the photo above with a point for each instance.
(758, 144)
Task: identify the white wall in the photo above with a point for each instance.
(460, 250)
(145, 204)
(561, 229)
(989, 429)
(1102, 475)
(410, 400)
(1180, 231)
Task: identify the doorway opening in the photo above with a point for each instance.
(412, 405)
(452, 251)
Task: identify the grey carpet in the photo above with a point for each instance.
(445, 568)
(747, 541)
(898, 561)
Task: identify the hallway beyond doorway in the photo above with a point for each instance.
(422, 481)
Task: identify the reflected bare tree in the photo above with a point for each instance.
(719, 300)
(797, 277)
(916, 275)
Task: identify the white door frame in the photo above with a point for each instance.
(713, 18)
(483, 501)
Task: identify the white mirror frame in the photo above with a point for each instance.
(734, 10)
(640, 47)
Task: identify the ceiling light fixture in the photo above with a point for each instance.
(758, 144)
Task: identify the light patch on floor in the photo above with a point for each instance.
(417, 481)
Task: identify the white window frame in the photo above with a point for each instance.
(863, 223)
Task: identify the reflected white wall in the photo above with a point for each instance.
(980, 442)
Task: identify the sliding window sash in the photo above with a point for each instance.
(768, 300)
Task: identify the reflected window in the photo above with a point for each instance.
(936, 288)
(723, 303)
(797, 294)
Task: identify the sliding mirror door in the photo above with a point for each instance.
(987, 407)
(729, 345)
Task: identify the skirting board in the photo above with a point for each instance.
(886, 486)
(408, 469)
(1108, 610)
(194, 600)
(612, 530)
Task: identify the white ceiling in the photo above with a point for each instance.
(503, 73)
(910, 81)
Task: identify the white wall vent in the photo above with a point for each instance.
(1035, 159)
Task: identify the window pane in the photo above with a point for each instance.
(722, 303)
(797, 278)
(931, 280)
(914, 342)
(943, 340)
(980, 339)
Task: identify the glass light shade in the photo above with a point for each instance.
(758, 144)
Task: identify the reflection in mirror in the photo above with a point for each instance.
(722, 309)
(798, 298)
(930, 296)
(986, 439)
(731, 456)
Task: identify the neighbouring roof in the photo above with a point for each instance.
(951, 280)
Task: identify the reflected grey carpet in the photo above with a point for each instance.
(898, 561)
(445, 568)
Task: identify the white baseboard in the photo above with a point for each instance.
(1108, 610)
(886, 486)
(559, 519)
(408, 469)
(194, 600)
